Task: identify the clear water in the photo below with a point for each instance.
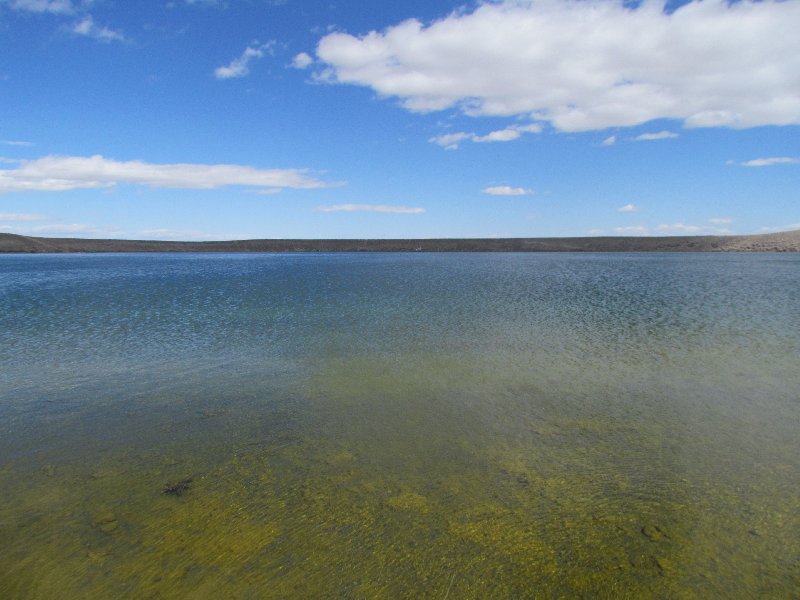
(400, 426)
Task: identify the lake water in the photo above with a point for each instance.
(400, 426)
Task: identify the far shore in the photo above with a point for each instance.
(772, 242)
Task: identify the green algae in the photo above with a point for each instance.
(426, 475)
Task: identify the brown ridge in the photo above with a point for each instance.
(772, 242)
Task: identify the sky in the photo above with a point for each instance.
(237, 119)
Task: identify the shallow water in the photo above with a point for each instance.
(400, 425)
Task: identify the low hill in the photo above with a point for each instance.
(773, 242)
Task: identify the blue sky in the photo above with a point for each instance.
(204, 119)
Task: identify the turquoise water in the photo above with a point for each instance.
(400, 425)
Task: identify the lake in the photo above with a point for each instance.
(399, 426)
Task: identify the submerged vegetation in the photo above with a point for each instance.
(401, 426)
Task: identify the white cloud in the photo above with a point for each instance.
(41, 6)
(66, 228)
(16, 143)
(667, 229)
(70, 230)
(610, 140)
(383, 208)
(661, 135)
(87, 27)
(587, 65)
(506, 190)
(628, 208)
(16, 217)
(632, 229)
(681, 228)
(721, 220)
(239, 67)
(768, 162)
(451, 141)
(60, 173)
(164, 233)
(790, 227)
(301, 61)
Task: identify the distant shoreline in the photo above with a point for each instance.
(772, 242)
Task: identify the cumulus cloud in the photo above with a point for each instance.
(21, 217)
(87, 27)
(301, 61)
(661, 135)
(451, 141)
(239, 67)
(61, 173)
(587, 65)
(41, 6)
(382, 208)
(507, 190)
(628, 208)
(768, 162)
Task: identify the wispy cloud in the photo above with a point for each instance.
(87, 27)
(65, 230)
(451, 141)
(779, 228)
(661, 135)
(20, 143)
(240, 66)
(628, 208)
(665, 229)
(17, 217)
(61, 173)
(41, 6)
(507, 190)
(165, 233)
(381, 208)
(679, 228)
(768, 162)
(587, 65)
(609, 141)
(632, 230)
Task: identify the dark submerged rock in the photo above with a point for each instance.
(177, 489)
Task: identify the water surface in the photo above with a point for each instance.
(400, 425)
